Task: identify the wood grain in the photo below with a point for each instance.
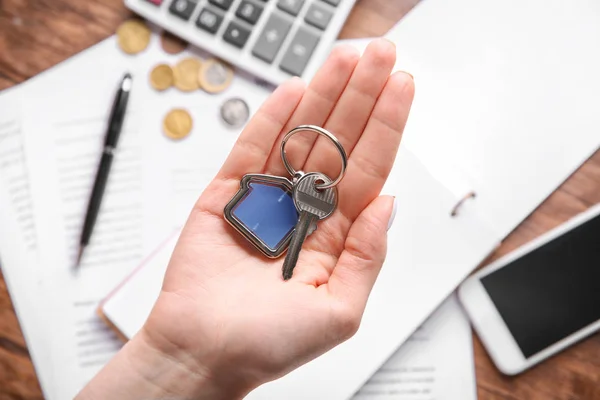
(37, 34)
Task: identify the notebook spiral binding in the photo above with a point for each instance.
(458, 205)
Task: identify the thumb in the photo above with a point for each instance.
(364, 252)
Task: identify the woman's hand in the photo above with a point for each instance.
(225, 321)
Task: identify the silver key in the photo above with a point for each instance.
(313, 205)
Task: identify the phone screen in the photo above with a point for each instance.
(551, 292)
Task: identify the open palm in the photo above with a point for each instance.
(223, 305)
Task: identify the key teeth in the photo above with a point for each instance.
(289, 264)
(287, 274)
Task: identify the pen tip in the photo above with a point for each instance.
(79, 256)
(127, 82)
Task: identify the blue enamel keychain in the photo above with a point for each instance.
(264, 213)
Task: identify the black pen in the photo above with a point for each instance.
(113, 131)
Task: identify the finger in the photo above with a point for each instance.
(364, 252)
(253, 147)
(351, 113)
(317, 103)
(373, 157)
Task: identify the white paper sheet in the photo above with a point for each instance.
(130, 304)
(507, 96)
(18, 240)
(435, 363)
(65, 127)
(13, 171)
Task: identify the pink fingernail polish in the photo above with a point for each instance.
(393, 215)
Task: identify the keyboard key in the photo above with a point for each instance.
(318, 16)
(332, 2)
(271, 38)
(299, 52)
(249, 11)
(222, 4)
(182, 8)
(236, 34)
(209, 20)
(290, 6)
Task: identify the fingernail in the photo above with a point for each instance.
(393, 215)
(389, 41)
(409, 74)
(296, 80)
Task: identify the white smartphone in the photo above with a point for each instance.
(541, 298)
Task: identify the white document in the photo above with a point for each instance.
(18, 241)
(64, 128)
(129, 305)
(435, 363)
(13, 171)
(27, 295)
(507, 96)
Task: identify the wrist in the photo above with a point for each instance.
(144, 370)
(176, 373)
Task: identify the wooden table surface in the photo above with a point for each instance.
(37, 34)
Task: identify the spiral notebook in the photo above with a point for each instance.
(503, 114)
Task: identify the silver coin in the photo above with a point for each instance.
(235, 112)
(217, 74)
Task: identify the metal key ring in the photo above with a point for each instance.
(322, 132)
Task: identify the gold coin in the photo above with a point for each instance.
(133, 36)
(161, 77)
(186, 74)
(215, 76)
(172, 44)
(177, 124)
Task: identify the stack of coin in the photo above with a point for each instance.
(188, 75)
(191, 74)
